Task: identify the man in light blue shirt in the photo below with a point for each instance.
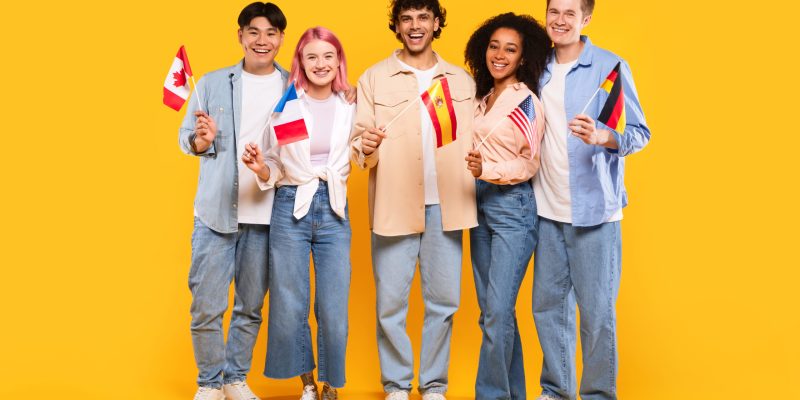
(580, 194)
(232, 215)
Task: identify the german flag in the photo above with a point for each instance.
(439, 104)
(613, 114)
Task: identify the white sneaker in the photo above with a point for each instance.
(207, 393)
(309, 393)
(398, 395)
(433, 396)
(547, 397)
(239, 391)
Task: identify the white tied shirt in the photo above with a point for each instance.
(259, 95)
(424, 81)
(291, 164)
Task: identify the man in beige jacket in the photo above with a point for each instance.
(420, 197)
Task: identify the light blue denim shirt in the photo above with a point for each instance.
(596, 173)
(217, 190)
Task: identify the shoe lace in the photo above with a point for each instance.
(244, 390)
(399, 395)
(309, 393)
(329, 393)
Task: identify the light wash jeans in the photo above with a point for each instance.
(325, 235)
(577, 265)
(218, 258)
(394, 260)
(501, 247)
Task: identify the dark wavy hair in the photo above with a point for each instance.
(536, 47)
(398, 6)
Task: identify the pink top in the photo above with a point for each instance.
(506, 153)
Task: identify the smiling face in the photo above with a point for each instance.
(415, 28)
(504, 55)
(565, 20)
(260, 42)
(320, 63)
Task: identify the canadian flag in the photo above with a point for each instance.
(176, 86)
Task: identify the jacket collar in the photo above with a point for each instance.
(236, 71)
(584, 59)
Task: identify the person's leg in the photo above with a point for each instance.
(394, 261)
(440, 273)
(289, 351)
(251, 282)
(209, 280)
(595, 261)
(510, 213)
(554, 311)
(480, 245)
(331, 250)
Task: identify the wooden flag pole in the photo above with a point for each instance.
(491, 132)
(590, 100)
(385, 128)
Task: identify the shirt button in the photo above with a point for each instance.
(234, 205)
(221, 109)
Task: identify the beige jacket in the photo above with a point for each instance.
(396, 186)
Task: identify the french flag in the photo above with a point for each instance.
(289, 125)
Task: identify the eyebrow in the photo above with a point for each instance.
(254, 28)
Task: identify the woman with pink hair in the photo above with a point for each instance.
(309, 217)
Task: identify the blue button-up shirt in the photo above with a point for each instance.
(596, 173)
(217, 190)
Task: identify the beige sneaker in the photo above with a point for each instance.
(398, 395)
(239, 391)
(207, 393)
(433, 396)
(309, 393)
(547, 397)
(328, 392)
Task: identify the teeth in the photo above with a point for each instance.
(416, 36)
(261, 51)
(500, 65)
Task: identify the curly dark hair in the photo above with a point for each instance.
(398, 6)
(536, 47)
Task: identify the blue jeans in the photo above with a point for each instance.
(322, 233)
(577, 265)
(218, 258)
(394, 261)
(501, 247)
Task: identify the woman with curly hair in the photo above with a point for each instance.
(507, 55)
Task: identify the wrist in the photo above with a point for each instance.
(200, 145)
(263, 174)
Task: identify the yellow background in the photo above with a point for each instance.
(97, 216)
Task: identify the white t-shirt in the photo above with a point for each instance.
(323, 111)
(551, 186)
(424, 81)
(260, 93)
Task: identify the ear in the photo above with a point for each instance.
(239, 36)
(586, 21)
(436, 24)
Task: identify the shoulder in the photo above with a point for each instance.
(605, 59)
(219, 75)
(380, 68)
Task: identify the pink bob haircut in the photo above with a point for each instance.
(298, 75)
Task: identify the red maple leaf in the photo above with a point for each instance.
(180, 78)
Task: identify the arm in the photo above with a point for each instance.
(198, 130)
(364, 122)
(637, 134)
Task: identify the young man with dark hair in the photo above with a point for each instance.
(420, 197)
(580, 194)
(231, 213)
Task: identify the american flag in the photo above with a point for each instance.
(523, 116)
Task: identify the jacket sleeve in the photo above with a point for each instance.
(365, 118)
(186, 131)
(637, 134)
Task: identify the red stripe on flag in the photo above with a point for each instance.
(172, 100)
(450, 108)
(185, 58)
(613, 120)
(434, 119)
(291, 132)
(612, 76)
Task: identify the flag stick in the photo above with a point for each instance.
(199, 103)
(401, 113)
(590, 100)
(491, 132)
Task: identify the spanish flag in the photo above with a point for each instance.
(440, 107)
(613, 113)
